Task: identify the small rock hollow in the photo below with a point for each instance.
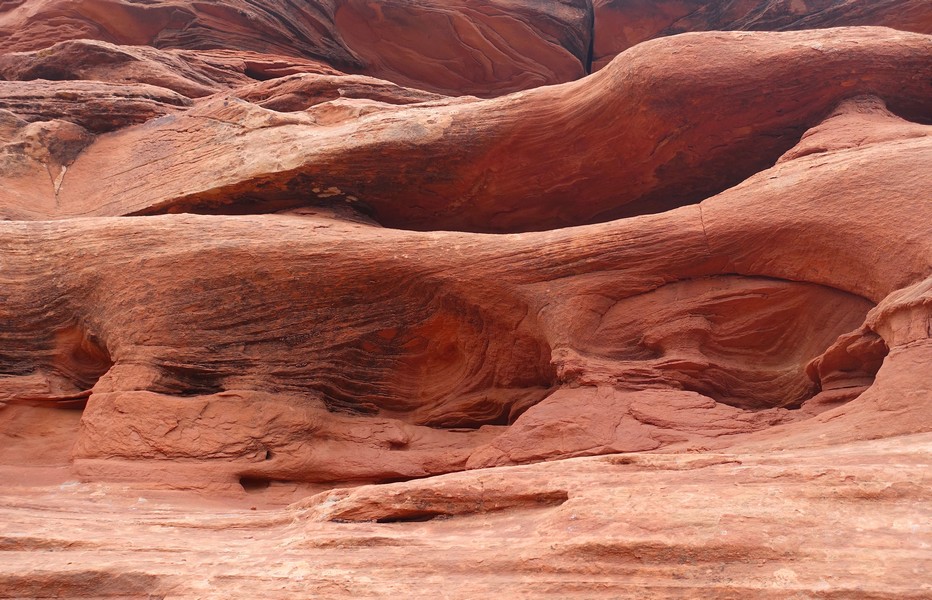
(254, 484)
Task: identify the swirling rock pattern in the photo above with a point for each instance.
(464, 163)
(471, 46)
(662, 330)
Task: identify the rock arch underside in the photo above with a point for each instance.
(466, 299)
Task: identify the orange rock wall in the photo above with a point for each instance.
(451, 315)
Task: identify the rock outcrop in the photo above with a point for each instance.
(664, 329)
(484, 47)
(463, 164)
(718, 307)
(622, 24)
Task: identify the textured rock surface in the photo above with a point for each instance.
(621, 24)
(193, 74)
(95, 106)
(464, 164)
(471, 46)
(847, 521)
(460, 330)
(247, 265)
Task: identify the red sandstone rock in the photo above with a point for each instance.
(750, 345)
(622, 24)
(481, 47)
(97, 107)
(461, 330)
(847, 520)
(294, 93)
(268, 26)
(190, 73)
(463, 164)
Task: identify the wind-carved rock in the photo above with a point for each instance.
(704, 314)
(665, 323)
(622, 24)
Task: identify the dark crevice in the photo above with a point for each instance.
(76, 359)
(413, 517)
(591, 49)
(683, 175)
(296, 199)
(75, 401)
(723, 169)
(743, 160)
(254, 484)
(182, 380)
(254, 71)
(430, 508)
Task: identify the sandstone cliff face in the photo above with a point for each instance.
(663, 329)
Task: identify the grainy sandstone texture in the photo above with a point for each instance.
(621, 24)
(345, 299)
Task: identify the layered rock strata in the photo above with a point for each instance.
(660, 330)
(418, 353)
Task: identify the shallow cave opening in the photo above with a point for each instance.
(251, 484)
(78, 360)
(189, 380)
(42, 399)
(845, 370)
(414, 516)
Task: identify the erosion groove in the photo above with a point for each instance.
(422, 298)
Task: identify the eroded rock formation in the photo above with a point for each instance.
(622, 24)
(481, 47)
(267, 253)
